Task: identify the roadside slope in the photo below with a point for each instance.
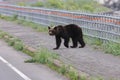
(88, 60)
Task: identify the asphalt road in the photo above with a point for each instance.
(12, 66)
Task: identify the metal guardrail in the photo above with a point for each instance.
(105, 27)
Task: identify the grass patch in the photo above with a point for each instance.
(15, 42)
(2, 34)
(93, 41)
(73, 74)
(63, 70)
(18, 45)
(43, 56)
(33, 25)
(76, 5)
(112, 48)
(11, 41)
(108, 46)
(23, 22)
(8, 18)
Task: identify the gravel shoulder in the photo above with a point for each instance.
(88, 60)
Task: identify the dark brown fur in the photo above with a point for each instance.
(66, 32)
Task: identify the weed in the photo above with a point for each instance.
(15, 17)
(39, 4)
(21, 4)
(73, 75)
(111, 47)
(28, 52)
(2, 34)
(43, 56)
(18, 45)
(83, 77)
(63, 69)
(11, 42)
(20, 21)
(33, 25)
(93, 41)
(96, 78)
(86, 5)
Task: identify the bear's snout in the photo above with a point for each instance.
(51, 33)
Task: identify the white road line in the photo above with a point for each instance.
(15, 69)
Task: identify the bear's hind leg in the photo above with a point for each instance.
(74, 40)
(81, 41)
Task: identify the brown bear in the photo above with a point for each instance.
(66, 32)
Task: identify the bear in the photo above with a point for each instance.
(66, 32)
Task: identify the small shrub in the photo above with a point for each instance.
(39, 4)
(2, 34)
(97, 78)
(20, 21)
(44, 56)
(63, 70)
(8, 18)
(21, 4)
(83, 77)
(15, 17)
(1, 16)
(86, 5)
(29, 53)
(55, 4)
(73, 75)
(93, 41)
(11, 42)
(18, 45)
(111, 47)
(88, 8)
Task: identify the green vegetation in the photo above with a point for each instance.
(38, 4)
(47, 57)
(2, 34)
(18, 45)
(93, 41)
(43, 56)
(33, 25)
(108, 46)
(112, 48)
(15, 42)
(12, 41)
(22, 4)
(77, 5)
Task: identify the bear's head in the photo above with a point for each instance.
(56, 30)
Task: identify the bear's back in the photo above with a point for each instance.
(73, 29)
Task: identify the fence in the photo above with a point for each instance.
(103, 26)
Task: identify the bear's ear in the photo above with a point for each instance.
(48, 27)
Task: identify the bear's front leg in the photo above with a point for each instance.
(58, 42)
(66, 42)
